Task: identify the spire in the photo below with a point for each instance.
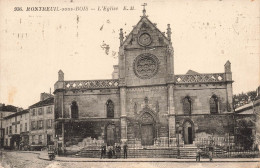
(144, 11)
(121, 37)
(61, 75)
(169, 32)
(228, 72)
(227, 67)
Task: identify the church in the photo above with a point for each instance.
(145, 104)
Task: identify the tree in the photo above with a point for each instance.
(252, 95)
(244, 98)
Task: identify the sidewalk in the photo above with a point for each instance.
(44, 156)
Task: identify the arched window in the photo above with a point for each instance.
(110, 109)
(187, 105)
(74, 110)
(213, 103)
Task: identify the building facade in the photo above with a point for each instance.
(16, 130)
(5, 110)
(145, 104)
(41, 122)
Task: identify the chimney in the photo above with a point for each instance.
(45, 96)
(42, 97)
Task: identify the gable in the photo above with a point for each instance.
(145, 26)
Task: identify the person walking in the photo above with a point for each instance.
(125, 150)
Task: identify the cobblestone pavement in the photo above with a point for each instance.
(31, 160)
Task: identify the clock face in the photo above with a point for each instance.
(145, 39)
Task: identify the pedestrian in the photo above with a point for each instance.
(103, 151)
(118, 150)
(198, 153)
(211, 153)
(110, 152)
(125, 150)
(113, 151)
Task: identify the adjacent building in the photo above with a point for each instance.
(41, 122)
(5, 110)
(16, 130)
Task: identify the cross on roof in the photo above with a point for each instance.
(144, 11)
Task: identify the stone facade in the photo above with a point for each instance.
(145, 103)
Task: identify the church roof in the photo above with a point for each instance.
(191, 72)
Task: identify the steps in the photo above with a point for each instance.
(186, 152)
(134, 153)
(152, 153)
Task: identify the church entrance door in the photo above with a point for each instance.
(110, 135)
(147, 134)
(147, 129)
(188, 133)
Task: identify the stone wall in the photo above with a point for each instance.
(218, 125)
(92, 103)
(200, 95)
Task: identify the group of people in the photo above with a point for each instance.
(113, 151)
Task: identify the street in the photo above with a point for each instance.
(11, 159)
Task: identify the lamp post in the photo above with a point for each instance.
(178, 143)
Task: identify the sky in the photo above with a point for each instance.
(35, 45)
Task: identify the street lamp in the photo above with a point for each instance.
(178, 143)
